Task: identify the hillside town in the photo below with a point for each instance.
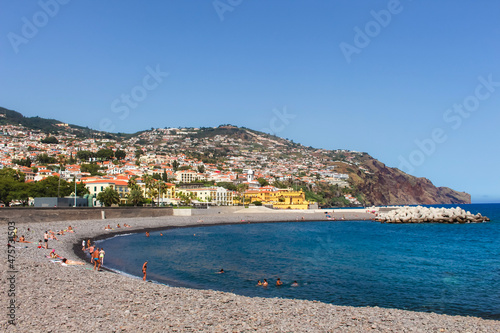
(219, 166)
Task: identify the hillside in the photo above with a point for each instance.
(326, 175)
(383, 186)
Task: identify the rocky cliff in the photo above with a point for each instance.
(382, 185)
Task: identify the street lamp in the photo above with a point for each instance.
(75, 190)
(159, 191)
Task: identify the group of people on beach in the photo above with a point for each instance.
(96, 254)
(49, 235)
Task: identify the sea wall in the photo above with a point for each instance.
(421, 214)
(33, 214)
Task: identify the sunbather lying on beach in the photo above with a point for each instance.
(52, 235)
(72, 262)
(23, 240)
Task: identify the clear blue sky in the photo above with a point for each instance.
(373, 76)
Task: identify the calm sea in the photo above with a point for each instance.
(443, 268)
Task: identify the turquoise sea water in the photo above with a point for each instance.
(444, 268)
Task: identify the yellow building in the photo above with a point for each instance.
(99, 185)
(167, 191)
(215, 195)
(278, 198)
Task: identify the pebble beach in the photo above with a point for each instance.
(50, 297)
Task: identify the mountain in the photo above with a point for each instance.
(291, 164)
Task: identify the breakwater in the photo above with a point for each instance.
(421, 214)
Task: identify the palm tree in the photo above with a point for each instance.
(108, 197)
(135, 196)
(149, 186)
(241, 188)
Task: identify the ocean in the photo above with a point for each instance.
(443, 268)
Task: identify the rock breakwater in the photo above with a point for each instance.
(421, 214)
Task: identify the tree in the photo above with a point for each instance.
(262, 182)
(164, 176)
(105, 154)
(241, 188)
(45, 159)
(132, 183)
(11, 182)
(71, 159)
(135, 196)
(120, 154)
(81, 189)
(93, 169)
(21, 193)
(108, 197)
(227, 185)
(50, 140)
(61, 159)
(50, 187)
(23, 162)
(148, 183)
(84, 155)
(175, 165)
(201, 168)
(138, 153)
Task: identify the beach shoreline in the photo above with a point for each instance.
(77, 298)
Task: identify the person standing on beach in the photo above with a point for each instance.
(101, 255)
(83, 245)
(46, 239)
(95, 256)
(144, 268)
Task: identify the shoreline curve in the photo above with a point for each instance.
(121, 303)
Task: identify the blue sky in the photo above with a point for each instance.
(414, 83)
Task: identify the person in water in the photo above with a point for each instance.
(144, 268)
(295, 284)
(278, 282)
(259, 283)
(221, 271)
(265, 284)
